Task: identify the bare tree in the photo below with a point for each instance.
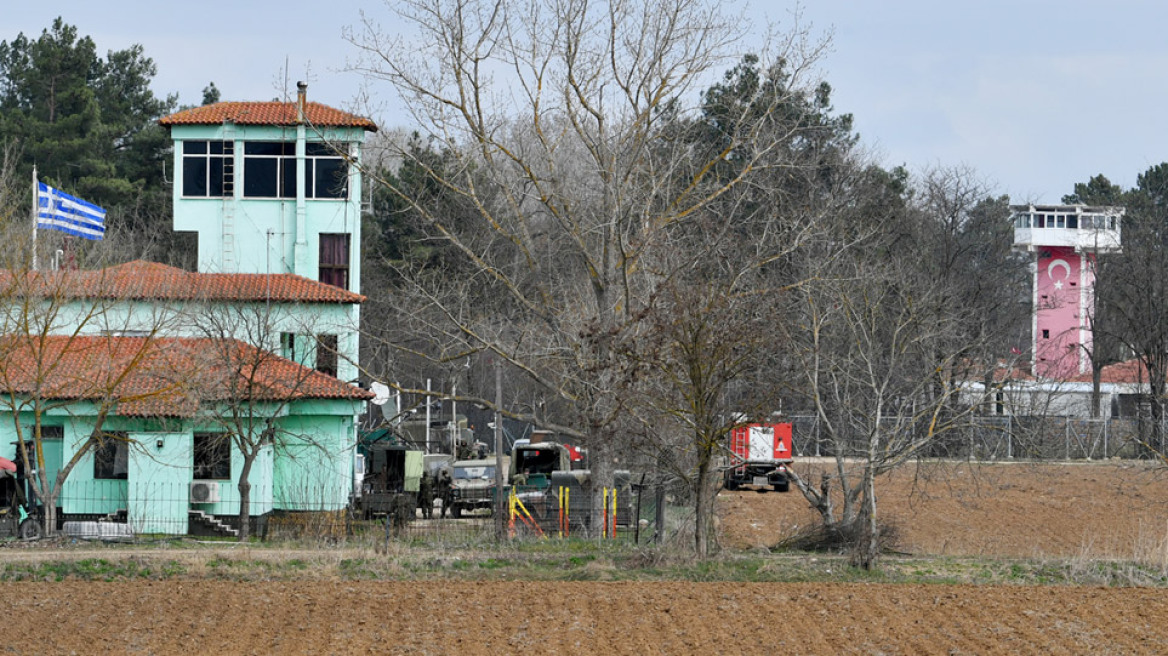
(558, 122)
(250, 389)
(63, 350)
(882, 372)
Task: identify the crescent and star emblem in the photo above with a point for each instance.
(1054, 264)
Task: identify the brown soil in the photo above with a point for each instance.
(1005, 510)
(576, 618)
(1091, 510)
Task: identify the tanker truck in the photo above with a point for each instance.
(759, 457)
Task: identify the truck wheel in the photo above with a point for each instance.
(456, 512)
(785, 486)
(731, 484)
(30, 529)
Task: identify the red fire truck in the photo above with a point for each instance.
(760, 456)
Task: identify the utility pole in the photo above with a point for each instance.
(500, 520)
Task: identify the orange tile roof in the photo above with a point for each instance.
(1129, 371)
(140, 280)
(160, 377)
(266, 113)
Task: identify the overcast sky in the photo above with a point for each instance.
(1033, 94)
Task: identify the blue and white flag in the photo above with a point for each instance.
(60, 211)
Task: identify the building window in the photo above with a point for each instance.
(269, 169)
(326, 173)
(288, 346)
(212, 456)
(326, 354)
(208, 169)
(47, 432)
(334, 260)
(1045, 334)
(111, 457)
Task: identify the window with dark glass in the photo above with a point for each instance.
(326, 354)
(269, 169)
(208, 169)
(326, 173)
(288, 346)
(212, 456)
(333, 268)
(111, 457)
(47, 432)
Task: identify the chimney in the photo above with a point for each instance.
(301, 101)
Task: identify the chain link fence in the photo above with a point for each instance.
(1011, 437)
(633, 512)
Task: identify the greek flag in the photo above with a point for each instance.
(60, 211)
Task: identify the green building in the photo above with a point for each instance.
(262, 340)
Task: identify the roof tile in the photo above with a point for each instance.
(140, 280)
(266, 113)
(160, 377)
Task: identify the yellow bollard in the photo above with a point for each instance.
(613, 534)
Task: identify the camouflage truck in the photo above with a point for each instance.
(474, 485)
(391, 479)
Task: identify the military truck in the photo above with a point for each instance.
(474, 484)
(532, 464)
(391, 479)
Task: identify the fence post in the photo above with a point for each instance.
(604, 514)
(1010, 438)
(1067, 439)
(659, 535)
(637, 516)
(1106, 430)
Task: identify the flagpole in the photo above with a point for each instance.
(35, 204)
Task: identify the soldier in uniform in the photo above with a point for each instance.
(445, 490)
(426, 495)
(402, 512)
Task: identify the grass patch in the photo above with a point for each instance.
(552, 560)
(93, 569)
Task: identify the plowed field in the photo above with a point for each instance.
(1088, 511)
(1024, 510)
(216, 617)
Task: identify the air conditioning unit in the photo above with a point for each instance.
(204, 491)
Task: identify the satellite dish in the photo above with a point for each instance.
(381, 393)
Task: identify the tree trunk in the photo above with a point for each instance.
(1096, 381)
(706, 494)
(245, 498)
(602, 478)
(867, 549)
(49, 503)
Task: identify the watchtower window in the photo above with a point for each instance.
(269, 169)
(208, 169)
(326, 173)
